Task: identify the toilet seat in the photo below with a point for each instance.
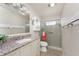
(43, 43)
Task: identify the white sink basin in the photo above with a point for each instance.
(23, 40)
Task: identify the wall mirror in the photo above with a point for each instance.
(14, 19)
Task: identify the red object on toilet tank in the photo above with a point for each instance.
(43, 36)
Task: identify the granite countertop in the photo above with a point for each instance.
(12, 45)
(17, 41)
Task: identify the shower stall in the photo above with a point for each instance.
(53, 32)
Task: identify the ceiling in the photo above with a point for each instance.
(46, 12)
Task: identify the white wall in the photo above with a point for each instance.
(70, 35)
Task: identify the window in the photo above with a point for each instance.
(51, 23)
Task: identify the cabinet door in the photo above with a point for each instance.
(31, 49)
(26, 50)
(15, 53)
(23, 51)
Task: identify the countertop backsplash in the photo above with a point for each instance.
(18, 36)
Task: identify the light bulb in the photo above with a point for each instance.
(51, 4)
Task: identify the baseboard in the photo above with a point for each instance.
(56, 48)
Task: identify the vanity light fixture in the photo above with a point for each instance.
(51, 4)
(17, 5)
(21, 8)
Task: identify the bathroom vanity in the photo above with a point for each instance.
(21, 45)
(30, 49)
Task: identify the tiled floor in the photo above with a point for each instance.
(52, 52)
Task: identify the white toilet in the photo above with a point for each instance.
(43, 45)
